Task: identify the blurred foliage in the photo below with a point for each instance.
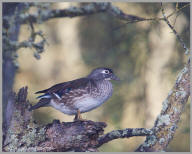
(80, 44)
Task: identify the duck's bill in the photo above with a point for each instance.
(114, 77)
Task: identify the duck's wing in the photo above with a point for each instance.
(60, 89)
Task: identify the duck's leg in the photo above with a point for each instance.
(78, 116)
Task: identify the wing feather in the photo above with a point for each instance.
(65, 87)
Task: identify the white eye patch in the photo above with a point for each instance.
(105, 71)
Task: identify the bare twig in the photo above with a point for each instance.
(178, 10)
(174, 31)
(126, 133)
(115, 11)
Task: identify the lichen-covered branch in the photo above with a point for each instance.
(126, 133)
(166, 123)
(88, 9)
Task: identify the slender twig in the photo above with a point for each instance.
(151, 19)
(125, 133)
(178, 10)
(174, 31)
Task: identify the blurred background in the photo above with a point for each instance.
(146, 57)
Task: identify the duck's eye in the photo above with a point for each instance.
(106, 71)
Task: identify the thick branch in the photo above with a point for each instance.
(166, 123)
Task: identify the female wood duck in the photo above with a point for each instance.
(80, 95)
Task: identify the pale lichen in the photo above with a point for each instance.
(163, 120)
(176, 110)
(134, 132)
(79, 137)
(165, 105)
(180, 93)
(169, 136)
(124, 132)
(161, 140)
(180, 75)
(30, 137)
(170, 93)
(114, 133)
(151, 140)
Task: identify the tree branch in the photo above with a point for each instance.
(125, 133)
(174, 31)
(88, 9)
(166, 123)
